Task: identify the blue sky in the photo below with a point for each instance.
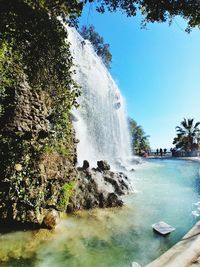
(157, 70)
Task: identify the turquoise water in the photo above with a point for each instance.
(165, 190)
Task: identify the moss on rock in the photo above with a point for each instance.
(66, 192)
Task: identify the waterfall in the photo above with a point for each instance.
(101, 121)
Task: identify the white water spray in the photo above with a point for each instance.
(101, 121)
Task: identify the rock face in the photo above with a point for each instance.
(36, 163)
(100, 187)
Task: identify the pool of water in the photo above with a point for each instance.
(165, 190)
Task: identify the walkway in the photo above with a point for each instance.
(186, 253)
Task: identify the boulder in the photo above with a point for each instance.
(103, 165)
(86, 165)
(51, 219)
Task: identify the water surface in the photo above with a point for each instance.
(165, 190)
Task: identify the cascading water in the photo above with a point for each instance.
(100, 121)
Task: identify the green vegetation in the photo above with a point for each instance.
(101, 48)
(34, 42)
(36, 94)
(139, 140)
(67, 191)
(188, 136)
(155, 11)
(152, 11)
(10, 74)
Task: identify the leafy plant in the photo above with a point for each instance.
(154, 10)
(188, 135)
(102, 49)
(66, 192)
(140, 141)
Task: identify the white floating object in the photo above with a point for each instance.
(135, 264)
(163, 228)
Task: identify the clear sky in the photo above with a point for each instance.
(157, 70)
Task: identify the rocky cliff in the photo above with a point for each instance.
(37, 162)
(37, 92)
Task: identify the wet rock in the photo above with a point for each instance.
(34, 217)
(76, 140)
(103, 165)
(73, 117)
(116, 185)
(117, 105)
(99, 188)
(86, 165)
(70, 208)
(113, 200)
(51, 219)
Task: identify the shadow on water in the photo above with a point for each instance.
(14, 226)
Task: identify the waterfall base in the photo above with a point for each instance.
(100, 187)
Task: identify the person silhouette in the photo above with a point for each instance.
(157, 151)
(161, 152)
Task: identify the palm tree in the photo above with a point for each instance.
(140, 141)
(188, 135)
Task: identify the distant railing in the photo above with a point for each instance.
(154, 154)
(175, 153)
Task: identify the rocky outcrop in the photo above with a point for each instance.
(37, 158)
(100, 187)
